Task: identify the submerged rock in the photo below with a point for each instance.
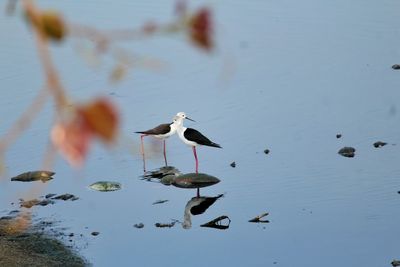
(396, 67)
(379, 144)
(348, 152)
(43, 176)
(395, 263)
(266, 151)
(233, 164)
(95, 233)
(338, 136)
(195, 180)
(105, 186)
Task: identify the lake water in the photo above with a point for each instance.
(285, 76)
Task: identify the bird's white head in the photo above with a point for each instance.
(180, 116)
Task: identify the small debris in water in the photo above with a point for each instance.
(348, 152)
(395, 263)
(66, 197)
(105, 186)
(71, 235)
(138, 225)
(398, 192)
(396, 67)
(338, 136)
(217, 223)
(160, 201)
(165, 225)
(258, 218)
(233, 164)
(379, 144)
(43, 176)
(266, 151)
(95, 233)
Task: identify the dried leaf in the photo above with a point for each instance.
(200, 29)
(49, 23)
(102, 118)
(72, 140)
(53, 25)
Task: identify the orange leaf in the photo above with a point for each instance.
(200, 29)
(49, 23)
(72, 139)
(102, 118)
(53, 25)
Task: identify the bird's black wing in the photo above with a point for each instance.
(196, 136)
(160, 129)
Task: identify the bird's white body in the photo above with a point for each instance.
(181, 130)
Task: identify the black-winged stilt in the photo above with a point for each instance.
(162, 131)
(192, 137)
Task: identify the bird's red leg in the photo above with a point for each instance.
(142, 151)
(165, 155)
(195, 156)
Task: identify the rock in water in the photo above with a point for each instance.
(348, 152)
(395, 263)
(379, 144)
(396, 67)
(194, 180)
(105, 186)
(43, 176)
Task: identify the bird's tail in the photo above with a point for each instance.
(215, 145)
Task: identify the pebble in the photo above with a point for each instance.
(95, 233)
(396, 67)
(379, 144)
(266, 151)
(348, 152)
(233, 164)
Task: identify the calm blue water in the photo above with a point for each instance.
(287, 76)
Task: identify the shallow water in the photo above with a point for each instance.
(287, 76)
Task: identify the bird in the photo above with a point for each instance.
(161, 131)
(192, 137)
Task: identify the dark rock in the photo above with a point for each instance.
(348, 152)
(95, 233)
(65, 197)
(395, 263)
(194, 180)
(49, 195)
(266, 151)
(43, 176)
(379, 144)
(338, 136)
(165, 225)
(233, 164)
(138, 225)
(396, 67)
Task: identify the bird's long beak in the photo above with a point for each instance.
(190, 119)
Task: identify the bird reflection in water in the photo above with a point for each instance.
(196, 206)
